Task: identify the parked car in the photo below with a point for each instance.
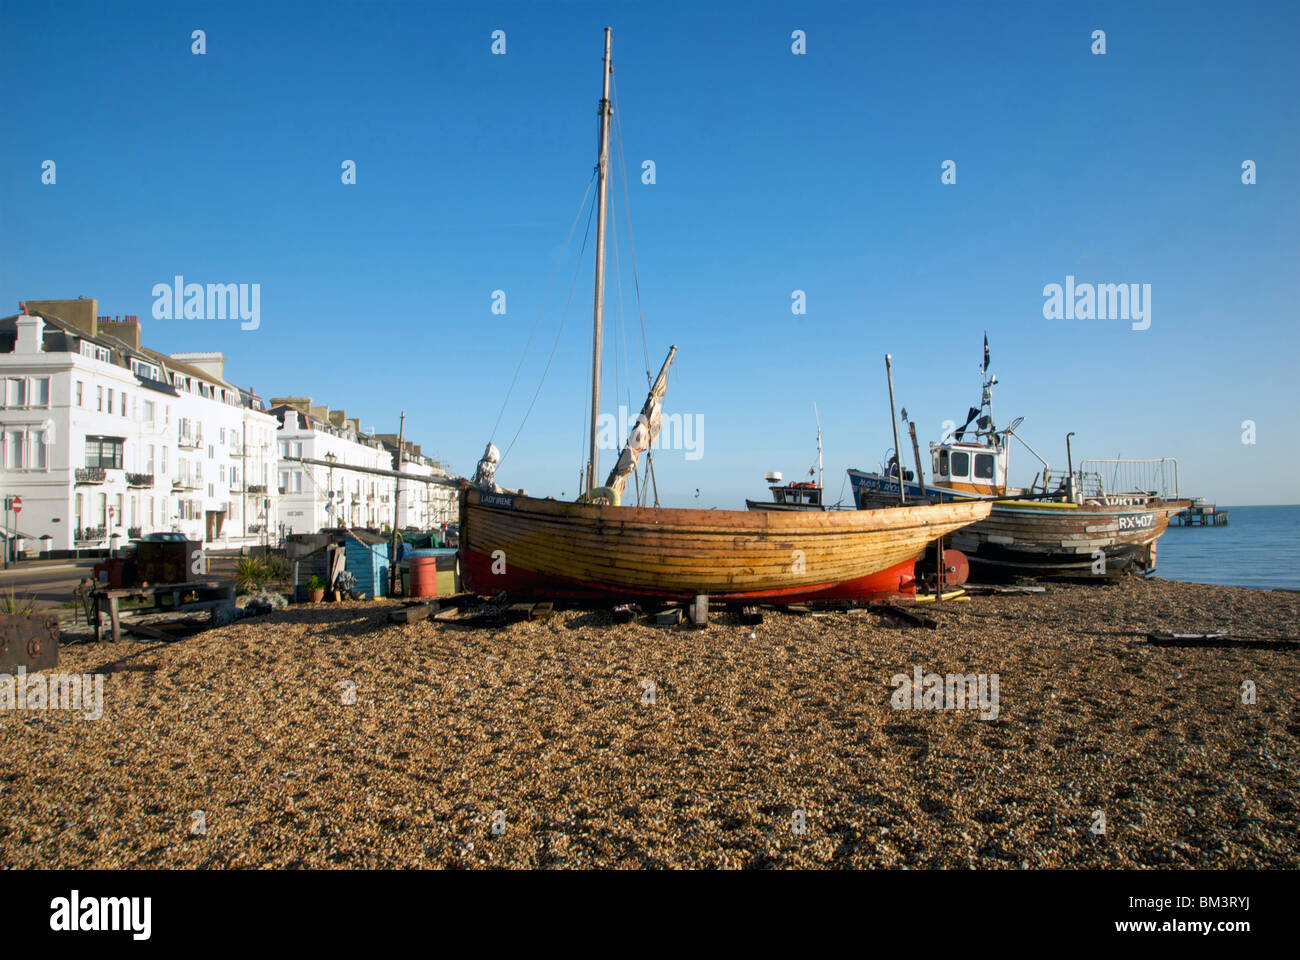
(160, 536)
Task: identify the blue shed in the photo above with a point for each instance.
(367, 560)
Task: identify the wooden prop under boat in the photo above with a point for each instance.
(549, 548)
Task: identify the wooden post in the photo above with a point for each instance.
(916, 452)
(397, 492)
(113, 618)
(893, 422)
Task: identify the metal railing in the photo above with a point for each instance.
(1155, 477)
(90, 474)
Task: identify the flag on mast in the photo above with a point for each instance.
(986, 351)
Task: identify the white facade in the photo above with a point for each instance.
(311, 496)
(105, 441)
(424, 506)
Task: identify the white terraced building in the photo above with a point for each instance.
(421, 506)
(105, 440)
(312, 496)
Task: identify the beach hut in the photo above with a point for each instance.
(367, 560)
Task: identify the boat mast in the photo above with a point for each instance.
(597, 337)
(817, 416)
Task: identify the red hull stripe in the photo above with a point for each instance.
(477, 577)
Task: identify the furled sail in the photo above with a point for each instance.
(647, 427)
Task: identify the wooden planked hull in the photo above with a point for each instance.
(1060, 539)
(582, 551)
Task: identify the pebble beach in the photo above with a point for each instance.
(324, 736)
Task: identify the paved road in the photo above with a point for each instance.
(53, 583)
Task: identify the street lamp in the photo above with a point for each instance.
(329, 507)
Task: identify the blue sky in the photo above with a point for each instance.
(774, 173)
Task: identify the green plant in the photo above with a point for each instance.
(250, 572)
(13, 605)
(315, 583)
(278, 569)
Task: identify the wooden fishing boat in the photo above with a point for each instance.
(598, 548)
(1075, 525)
(1069, 540)
(549, 548)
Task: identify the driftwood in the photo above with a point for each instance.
(669, 618)
(1220, 638)
(898, 614)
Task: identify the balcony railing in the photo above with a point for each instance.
(257, 488)
(91, 534)
(90, 474)
(189, 443)
(186, 483)
(139, 479)
(236, 486)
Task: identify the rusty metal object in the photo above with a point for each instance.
(956, 568)
(169, 561)
(29, 640)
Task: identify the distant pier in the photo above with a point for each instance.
(1200, 514)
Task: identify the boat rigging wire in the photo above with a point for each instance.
(555, 273)
(627, 216)
(564, 316)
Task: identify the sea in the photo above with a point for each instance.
(1259, 547)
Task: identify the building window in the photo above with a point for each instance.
(99, 397)
(41, 392)
(14, 450)
(38, 449)
(148, 411)
(223, 436)
(104, 452)
(123, 406)
(117, 514)
(79, 386)
(16, 392)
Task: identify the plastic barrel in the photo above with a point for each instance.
(423, 574)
